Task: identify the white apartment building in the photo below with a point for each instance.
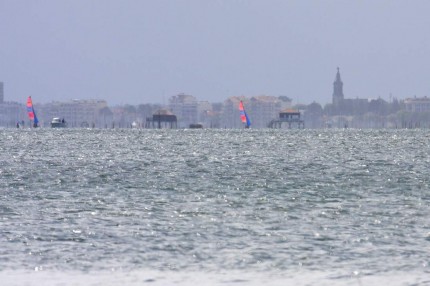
(11, 113)
(204, 112)
(185, 107)
(264, 108)
(260, 109)
(230, 117)
(417, 104)
(77, 113)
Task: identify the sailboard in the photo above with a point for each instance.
(31, 113)
(244, 116)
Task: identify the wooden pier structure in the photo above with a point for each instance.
(290, 117)
(162, 119)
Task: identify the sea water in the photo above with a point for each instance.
(214, 207)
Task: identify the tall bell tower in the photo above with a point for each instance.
(337, 90)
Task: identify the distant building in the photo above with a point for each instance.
(185, 107)
(77, 113)
(230, 117)
(265, 108)
(205, 114)
(12, 113)
(417, 104)
(125, 117)
(260, 109)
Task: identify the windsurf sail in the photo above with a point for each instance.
(31, 113)
(243, 116)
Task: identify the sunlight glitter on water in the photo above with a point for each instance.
(219, 206)
(166, 278)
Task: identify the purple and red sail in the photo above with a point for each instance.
(243, 116)
(31, 113)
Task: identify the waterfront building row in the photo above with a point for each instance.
(187, 109)
(262, 109)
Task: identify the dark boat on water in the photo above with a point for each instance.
(196, 126)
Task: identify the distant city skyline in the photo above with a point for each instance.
(134, 52)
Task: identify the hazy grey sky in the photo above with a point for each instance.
(137, 51)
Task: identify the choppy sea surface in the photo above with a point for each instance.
(214, 207)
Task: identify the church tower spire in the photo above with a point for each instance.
(337, 90)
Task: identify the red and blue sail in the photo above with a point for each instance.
(31, 113)
(243, 116)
